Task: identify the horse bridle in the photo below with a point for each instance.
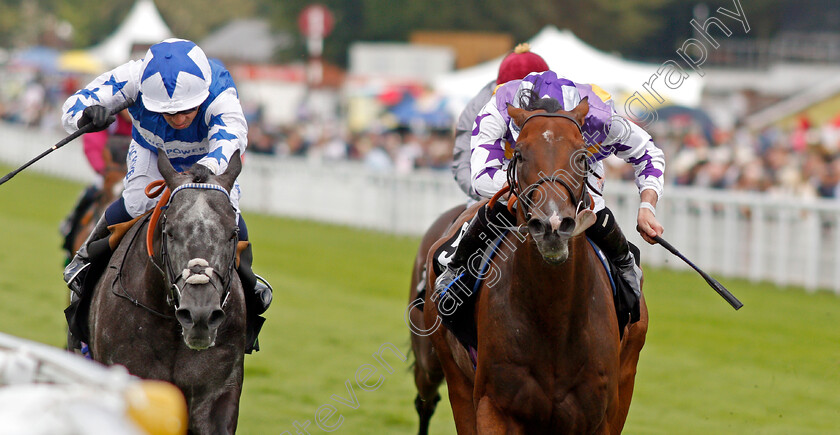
(174, 296)
(581, 201)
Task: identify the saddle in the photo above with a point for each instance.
(77, 312)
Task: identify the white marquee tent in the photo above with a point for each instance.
(142, 25)
(576, 60)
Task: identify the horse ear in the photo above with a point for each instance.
(227, 178)
(518, 115)
(580, 111)
(165, 167)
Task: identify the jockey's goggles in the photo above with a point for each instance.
(182, 112)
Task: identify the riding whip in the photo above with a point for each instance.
(718, 287)
(125, 105)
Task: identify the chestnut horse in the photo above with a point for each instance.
(170, 305)
(549, 357)
(428, 374)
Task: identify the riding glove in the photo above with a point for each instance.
(96, 115)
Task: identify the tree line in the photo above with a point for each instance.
(642, 29)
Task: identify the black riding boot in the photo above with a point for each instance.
(608, 236)
(94, 250)
(475, 238)
(258, 297)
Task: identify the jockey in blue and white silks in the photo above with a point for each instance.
(174, 76)
(185, 106)
(494, 136)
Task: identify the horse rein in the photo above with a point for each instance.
(582, 201)
(174, 296)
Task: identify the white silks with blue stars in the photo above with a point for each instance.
(176, 76)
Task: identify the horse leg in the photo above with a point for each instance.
(631, 346)
(425, 408)
(459, 385)
(491, 420)
(215, 415)
(428, 375)
(460, 399)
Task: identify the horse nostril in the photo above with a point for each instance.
(216, 318)
(536, 227)
(184, 317)
(567, 225)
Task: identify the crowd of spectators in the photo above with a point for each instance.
(32, 98)
(803, 161)
(400, 149)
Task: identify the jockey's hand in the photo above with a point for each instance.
(648, 226)
(96, 115)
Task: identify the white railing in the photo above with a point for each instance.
(786, 241)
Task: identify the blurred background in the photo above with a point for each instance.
(743, 97)
(381, 81)
(351, 106)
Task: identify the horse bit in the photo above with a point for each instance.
(198, 270)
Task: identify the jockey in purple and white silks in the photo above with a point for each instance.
(494, 132)
(494, 137)
(516, 65)
(187, 106)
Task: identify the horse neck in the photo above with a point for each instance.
(155, 292)
(550, 290)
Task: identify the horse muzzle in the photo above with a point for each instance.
(552, 234)
(200, 325)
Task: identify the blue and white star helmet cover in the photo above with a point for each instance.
(176, 76)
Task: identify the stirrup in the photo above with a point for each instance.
(75, 272)
(445, 280)
(264, 293)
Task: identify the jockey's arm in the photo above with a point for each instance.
(227, 131)
(635, 146)
(463, 134)
(646, 222)
(109, 89)
(487, 146)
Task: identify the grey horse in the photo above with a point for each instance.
(178, 314)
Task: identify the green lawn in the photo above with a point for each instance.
(771, 368)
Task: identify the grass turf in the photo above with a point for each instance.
(771, 368)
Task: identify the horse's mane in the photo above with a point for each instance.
(200, 173)
(529, 100)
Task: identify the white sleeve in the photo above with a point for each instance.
(487, 147)
(109, 89)
(227, 131)
(635, 146)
